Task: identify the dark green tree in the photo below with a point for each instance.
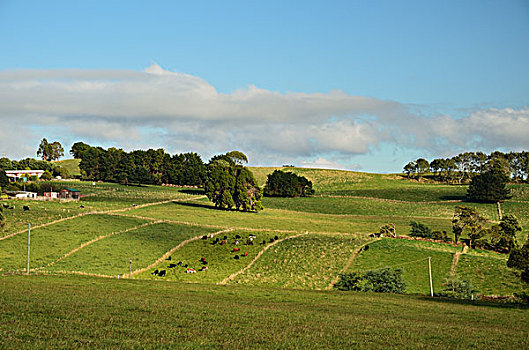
(489, 187)
(519, 259)
(287, 184)
(2, 218)
(4, 180)
(422, 167)
(503, 236)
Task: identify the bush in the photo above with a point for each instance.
(420, 230)
(458, 288)
(287, 184)
(46, 176)
(385, 280)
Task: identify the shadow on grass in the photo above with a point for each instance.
(210, 207)
(461, 198)
(501, 303)
(193, 191)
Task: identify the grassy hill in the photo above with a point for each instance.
(308, 242)
(72, 165)
(87, 312)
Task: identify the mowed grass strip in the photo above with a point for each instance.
(84, 312)
(221, 261)
(52, 242)
(110, 256)
(307, 262)
(411, 256)
(489, 273)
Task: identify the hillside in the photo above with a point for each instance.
(302, 243)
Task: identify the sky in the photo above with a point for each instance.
(359, 85)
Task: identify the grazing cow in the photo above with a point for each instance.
(223, 242)
(5, 205)
(203, 268)
(161, 273)
(263, 242)
(180, 263)
(271, 240)
(235, 250)
(366, 247)
(172, 265)
(81, 207)
(236, 257)
(245, 254)
(276, 238)
(155, 272)
(134, 205)
(225, 238)
(204, 262)
(11, 208)
(26, 208)
(169, 258)
(204, 237)
(237, 236)
(185, 265)
(236, 242)
(190, 270)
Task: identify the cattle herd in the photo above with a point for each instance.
(203, 262)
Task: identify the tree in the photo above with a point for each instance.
(50, 151)
(503, 236)
(519, 259)
(2, 218)
(468, 219)
(287, 184)
(4, 180)
(489, 187)
(229, 185)
(420, 230)
(422, 166)
(409, 169)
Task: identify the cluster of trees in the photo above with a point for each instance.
(287, 184)
(386, 280)
(231, 185)
(50, 170)
(464, 166)
(139, 167)
(468, 221)
(50, 151)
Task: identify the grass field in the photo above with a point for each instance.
(84, 312)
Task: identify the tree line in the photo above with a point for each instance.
(139, 167)
(462, 167)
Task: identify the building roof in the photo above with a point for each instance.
(71, 190)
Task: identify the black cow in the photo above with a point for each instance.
(263, 242)
(185, 265)
(5, 205)
(169, 258)
(81, 207)
(171, 266)
(161, 273)
(155, 272)
(271, 240)
(225, 238)
(204, 237)
(236, 257)
(366, 247)
(237, 236)
(276, 238)
(180, 263)
(26, 208)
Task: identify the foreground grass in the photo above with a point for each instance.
(83, 312)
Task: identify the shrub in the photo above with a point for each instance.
(420, 230)
(385, 280)
(46, 176)
(458, 288)
(287, 184)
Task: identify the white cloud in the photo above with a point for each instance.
(181, 112)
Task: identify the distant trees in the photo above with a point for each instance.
(519, 259)
(462, 167)
(50, 151)
(4, 180)
(139, 167)
(2, 217)
(23, 164)
(384, 280)
(503, 236)
(228, 184)
(287, 184)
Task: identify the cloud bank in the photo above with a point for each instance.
(181, 112)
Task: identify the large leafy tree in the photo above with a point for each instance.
(470, 220)
(50, 151)
(489, 187)
(519, 259)
(229, 185)
(503, 236)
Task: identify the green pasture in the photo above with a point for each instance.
(144, 245)
(52, 242)
(72, 165)
(221, 261)
(307, 262)
(411, 256)
(87, 312)
(488, 272)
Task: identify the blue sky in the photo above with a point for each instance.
(348, 84)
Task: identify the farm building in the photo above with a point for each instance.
(14, 175)
(70, 193)
(23, 194)
(51, 194)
